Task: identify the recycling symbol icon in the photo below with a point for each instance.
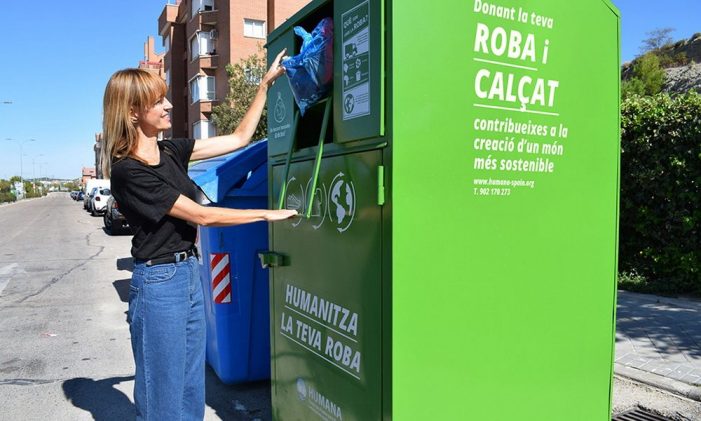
(280, 110)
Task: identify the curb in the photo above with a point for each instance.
(658, 299)
(655, 380)
(21, 201)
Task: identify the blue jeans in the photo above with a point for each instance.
(168, 337)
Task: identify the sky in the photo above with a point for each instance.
(638, 17)
(62, 54)
(59, 56)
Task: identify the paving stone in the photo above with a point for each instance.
(659, 335)
(691, 379)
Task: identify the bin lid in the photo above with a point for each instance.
(218, 175)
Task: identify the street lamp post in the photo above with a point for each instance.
(34, 175)
(43, 169)
(21, 142)
(34, 158)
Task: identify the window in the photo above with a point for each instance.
(202, 88)
(167, 77)
(253, 28)
(166, 43)
(202, 6)
(202, 44)
(203, 129)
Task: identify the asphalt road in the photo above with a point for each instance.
(65, 351)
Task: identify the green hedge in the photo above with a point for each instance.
(7, 197)
(660, 240)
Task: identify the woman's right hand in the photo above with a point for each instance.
(275, 70)
(280, 215)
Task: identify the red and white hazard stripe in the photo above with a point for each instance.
(221, 279)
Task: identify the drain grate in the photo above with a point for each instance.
(639, 415)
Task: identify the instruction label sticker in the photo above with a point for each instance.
(356, 61)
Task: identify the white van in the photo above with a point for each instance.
(100, 183)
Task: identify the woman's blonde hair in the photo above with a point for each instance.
(127, 90)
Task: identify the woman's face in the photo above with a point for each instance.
(156, 118)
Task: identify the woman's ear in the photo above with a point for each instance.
(133, 116)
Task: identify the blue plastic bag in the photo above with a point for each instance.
(311, 71)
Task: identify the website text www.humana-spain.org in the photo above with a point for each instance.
(504, 183)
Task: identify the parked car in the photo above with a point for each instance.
(80, 196)
(74, 195)
(91, 184)
(98, 202)
(87, 200)
(115, 222)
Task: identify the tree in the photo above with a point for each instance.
(656, 39)
(648, 77)
(30, 190)
(650, 73)
(632, 86)
(15, 179)
(5, 186)
(71, 186)
(6, 191)
(244, 78)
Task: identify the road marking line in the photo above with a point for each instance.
(6, 271)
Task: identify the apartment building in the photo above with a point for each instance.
(86, 174)
(153, 61)
(200, 37)
(97, 148)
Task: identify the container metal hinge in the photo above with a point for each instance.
(380, 185)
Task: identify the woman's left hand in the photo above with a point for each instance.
(275, 71)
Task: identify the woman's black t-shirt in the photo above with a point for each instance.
(145, 194)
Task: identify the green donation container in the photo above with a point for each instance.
(456, 257)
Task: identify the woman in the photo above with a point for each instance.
(150, 183)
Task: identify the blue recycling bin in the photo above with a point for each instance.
(234, 283)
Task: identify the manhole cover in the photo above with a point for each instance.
(639, 415)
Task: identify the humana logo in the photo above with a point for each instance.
(324, 403)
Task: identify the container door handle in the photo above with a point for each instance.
(272, 259)
(319, 153)
(283, 188)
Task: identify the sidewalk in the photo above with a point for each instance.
(658, 342)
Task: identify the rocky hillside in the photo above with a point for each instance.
(682, 65)
(688, 77)
(684, 78)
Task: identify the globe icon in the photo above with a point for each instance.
(342, 198)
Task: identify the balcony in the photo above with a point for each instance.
(205, 62)
(201, 19)
(208, 62)
(168, 17)
(151, 65)
(199, 108)
(209, 17)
